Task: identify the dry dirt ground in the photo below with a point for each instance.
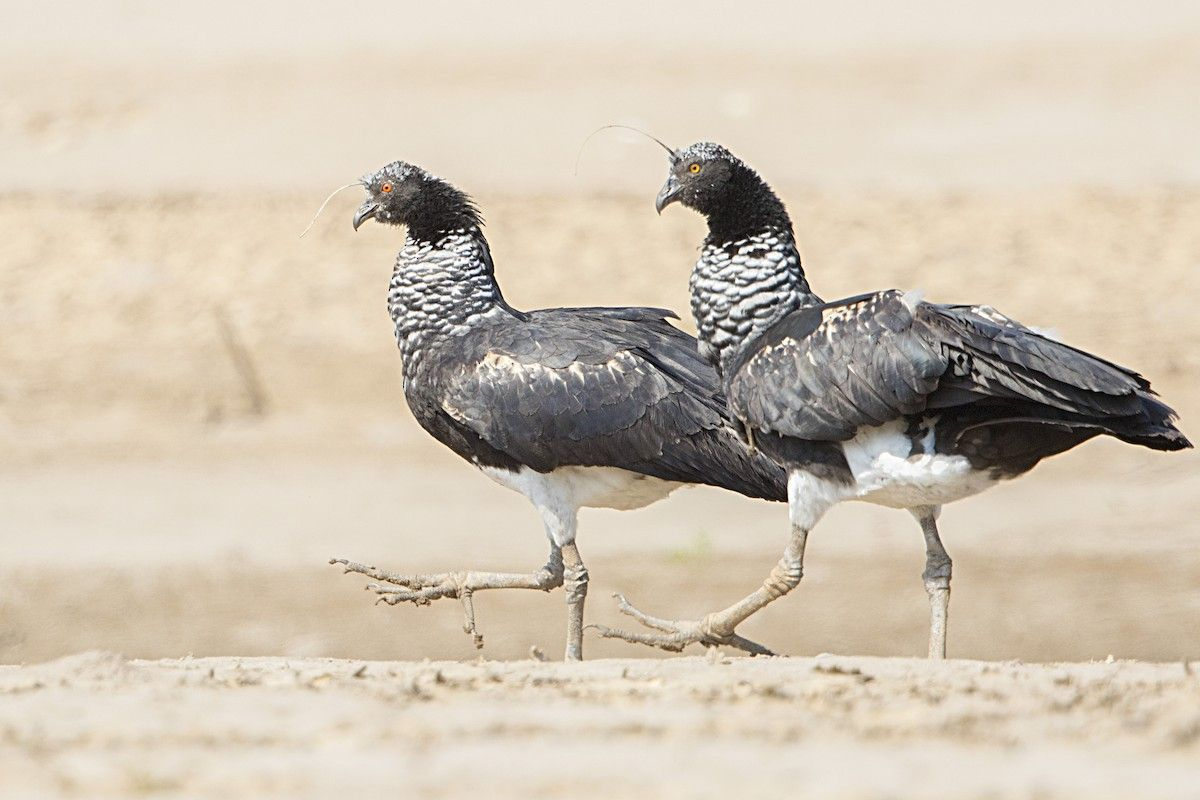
(828, 726)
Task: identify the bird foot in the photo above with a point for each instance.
(675, 635)
(420, 590)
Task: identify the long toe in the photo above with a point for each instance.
(674, 635)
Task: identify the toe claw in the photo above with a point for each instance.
(750, 646)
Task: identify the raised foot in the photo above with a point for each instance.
(419, 590)
(674, 635)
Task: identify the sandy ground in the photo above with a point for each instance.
(828, 726)
(198, 409)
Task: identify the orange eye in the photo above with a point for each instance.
(386, 188)
(694, 168)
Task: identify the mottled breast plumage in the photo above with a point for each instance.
(740, 287)
(439, 289)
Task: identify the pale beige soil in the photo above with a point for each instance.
(828, 726)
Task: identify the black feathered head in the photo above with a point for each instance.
(404, 194)
(708, 178)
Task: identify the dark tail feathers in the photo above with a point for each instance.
(1154, 427)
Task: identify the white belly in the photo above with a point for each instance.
(885, 473)
(585, 487)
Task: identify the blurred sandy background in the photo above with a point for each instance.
(158, 161)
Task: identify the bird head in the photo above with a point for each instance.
(732, 197)
(392, 193)
(700, 177)
(404, 194)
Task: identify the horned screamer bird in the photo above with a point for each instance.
(572, 407)
(880, 397)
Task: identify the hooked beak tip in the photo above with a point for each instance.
(365, 212)
(667, 195)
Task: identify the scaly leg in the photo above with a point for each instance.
(937, 579)
(718, 628)
(575, 584)
(809, 497)
(424, 589)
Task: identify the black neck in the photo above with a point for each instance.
(745, 206)
(442, 209)
(444, 214)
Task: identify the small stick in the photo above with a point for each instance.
(243, 362)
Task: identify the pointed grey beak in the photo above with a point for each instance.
(668, 194)
(365, 212)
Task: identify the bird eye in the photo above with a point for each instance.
(386, 188)
(694, 168)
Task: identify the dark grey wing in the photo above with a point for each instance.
(823, 372)
(1002, 357)
(998, 357)
(593, 411)
(605, 389)
(627, 313)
